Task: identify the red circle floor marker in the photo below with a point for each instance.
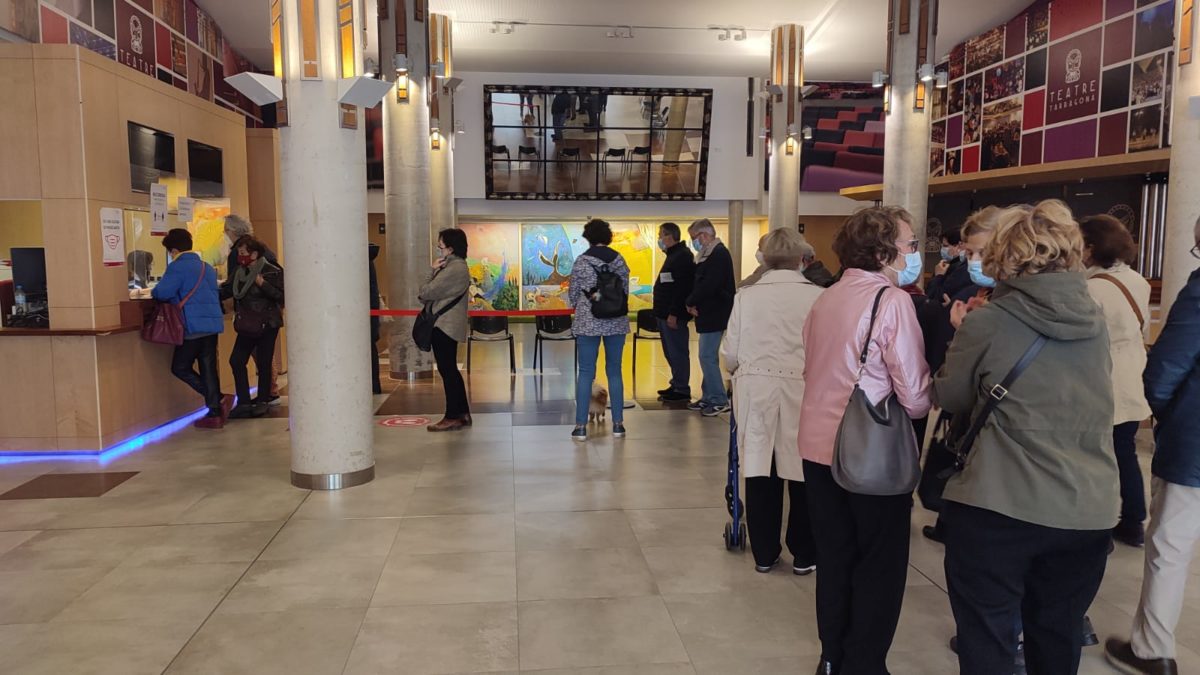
(405, 421)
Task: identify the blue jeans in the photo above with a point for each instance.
(713, 390)
(676, 349)
(589, 351)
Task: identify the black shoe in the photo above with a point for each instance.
(826, 668)
(618, 430)
(1089, 634)
(803, 569)
(933, 533)
(664, 392)
(1130, 534)
(244, 411)
(1120, 655)
(675, 396)
(763, 569)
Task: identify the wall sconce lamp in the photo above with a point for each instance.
(459, 127)
(789, 146)
(925, 73)
(878, 79)
(438, 70)
(764, 133)
(370, 67)
(943, 80)
(435, 140)
(806, 133)
(401, 86)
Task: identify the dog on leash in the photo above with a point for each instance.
(598, 406)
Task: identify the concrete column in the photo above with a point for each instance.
(1183, 199)
(906, 139)
(736, 208)
(323, 185)
(787, 77)
(442, 210)
(675, 134)
(406, 181)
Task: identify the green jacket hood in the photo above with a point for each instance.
(1055, 304)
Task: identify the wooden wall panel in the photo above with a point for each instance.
(262, 162)
(20, 168)
(76, 406)
(105, 138)
(27, 410)
(69, 265)
(60, 128)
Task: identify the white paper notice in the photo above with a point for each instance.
(112, 237)
(158, 209)
(187, 207)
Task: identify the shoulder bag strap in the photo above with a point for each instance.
(1128, 297)
(862, 357)
(450, 306)
(203, 270)
(995, 395)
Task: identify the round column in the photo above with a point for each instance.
(443, 212)
(323, 182)
(906, 127)
(1183, 199)
(787, 73)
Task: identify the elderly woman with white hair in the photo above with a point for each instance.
(764, 350)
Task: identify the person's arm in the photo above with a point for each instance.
(904, 356)
(580, 282)
(445, 284)
(167, 289)
(936, 285)
(956, 385)
(704, 285)
(684, 274)
(272, 286)
(729, 346)
(1176, 352)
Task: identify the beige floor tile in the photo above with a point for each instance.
(333, 539)
(461, 500)
(135, 647)
(435, 640)
(36, 514)
(926, 623)
(257, 503)
(309, 641)
(597, 632)
(745, 625)
(11, 540)
(37, 596)
(706, 569)
(678, 527)
(455, 534)
(66, 549)
(204, 543)
(186, 592)
(574, 530)
(669, 494)
(107, 511)
(758, 666)
(583, 496)
(597, 573)
(447, 578)
(645, 669)
(462, 472)
(281, 585)
(384, 497)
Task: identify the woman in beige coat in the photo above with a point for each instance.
(764, 351)
(446, 289)
(1124, 298)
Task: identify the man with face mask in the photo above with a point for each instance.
(671, 288)
(711, 303)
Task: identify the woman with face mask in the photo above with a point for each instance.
(256, 287)
(862, 540)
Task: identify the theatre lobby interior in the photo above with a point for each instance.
(443, 337)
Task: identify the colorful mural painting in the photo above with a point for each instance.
(547, 253)
(494, 260)
(636, 243)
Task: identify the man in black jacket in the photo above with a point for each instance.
(560, 107)
(950, 276)
(711, 303)
(671, 289)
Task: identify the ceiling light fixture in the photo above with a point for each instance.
(625, 32)
(741, 35)
(878, 79)
(943, 80)
(503, 27)
(926, 72)
(725, 35)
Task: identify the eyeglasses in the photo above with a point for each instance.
(1195, 251)
(910, 246)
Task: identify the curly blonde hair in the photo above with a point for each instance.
(983, 220)
(1034, 240)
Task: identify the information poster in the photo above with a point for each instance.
(112, 237)
(158, 209)
(187, 207)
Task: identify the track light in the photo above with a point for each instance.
(925, 73)
(878, 79)
(625, 32)
(741, 35)
(943, 80)
(725, 35)
(503, 27)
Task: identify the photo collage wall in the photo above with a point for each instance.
(527, 266)
(1064, 80)
(172, 40)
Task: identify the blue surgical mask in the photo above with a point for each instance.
(912, 270)
(975, 268)
(170, 258)
(697, 245)
(946, 254)
(662, 246)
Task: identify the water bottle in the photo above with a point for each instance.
(19, 301)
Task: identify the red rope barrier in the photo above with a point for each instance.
(481, 312)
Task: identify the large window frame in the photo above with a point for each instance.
(592, 175)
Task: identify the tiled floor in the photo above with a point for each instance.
(505, 548)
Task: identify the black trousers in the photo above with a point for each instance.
(862, 566)
(764, 518)
(262, 347)
(1133, 490)
(207, 382)
(1005, 573)
(376, 387)
(445, 353)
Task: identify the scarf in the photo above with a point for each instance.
(707, 250)
(243, 278)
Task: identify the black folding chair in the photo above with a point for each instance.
(492, 329)
(646, 329)
(552, 329)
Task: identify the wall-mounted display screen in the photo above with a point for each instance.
(602, 143)
(151, 156)
(206, 176)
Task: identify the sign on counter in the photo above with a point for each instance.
(112, 237)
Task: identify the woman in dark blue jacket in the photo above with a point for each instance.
(1172, 381)
(192, 283)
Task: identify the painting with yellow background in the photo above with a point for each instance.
(208, 231)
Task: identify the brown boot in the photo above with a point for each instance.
(446, 424)
(466, 420)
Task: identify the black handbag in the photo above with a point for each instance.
(940, 457)
(422, 332)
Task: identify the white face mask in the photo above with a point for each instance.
(758, 255)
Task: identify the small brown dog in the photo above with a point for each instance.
(598, 407)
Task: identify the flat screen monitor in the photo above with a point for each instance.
(206, 170)
(151, 156)
(29, 269)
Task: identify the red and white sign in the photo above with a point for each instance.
(405, 421)
(112, 237)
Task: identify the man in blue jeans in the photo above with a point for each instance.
(671, 289)
(711, 303)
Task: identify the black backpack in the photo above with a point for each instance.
(609, 298)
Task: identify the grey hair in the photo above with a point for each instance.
(807, 252)
(782, 249)
(702, 225)
(238, 226)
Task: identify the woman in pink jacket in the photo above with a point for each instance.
(862, 540)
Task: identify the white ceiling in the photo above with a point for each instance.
(845, 38)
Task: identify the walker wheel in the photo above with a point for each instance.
(729, 542)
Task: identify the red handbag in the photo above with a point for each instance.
(165, 325)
